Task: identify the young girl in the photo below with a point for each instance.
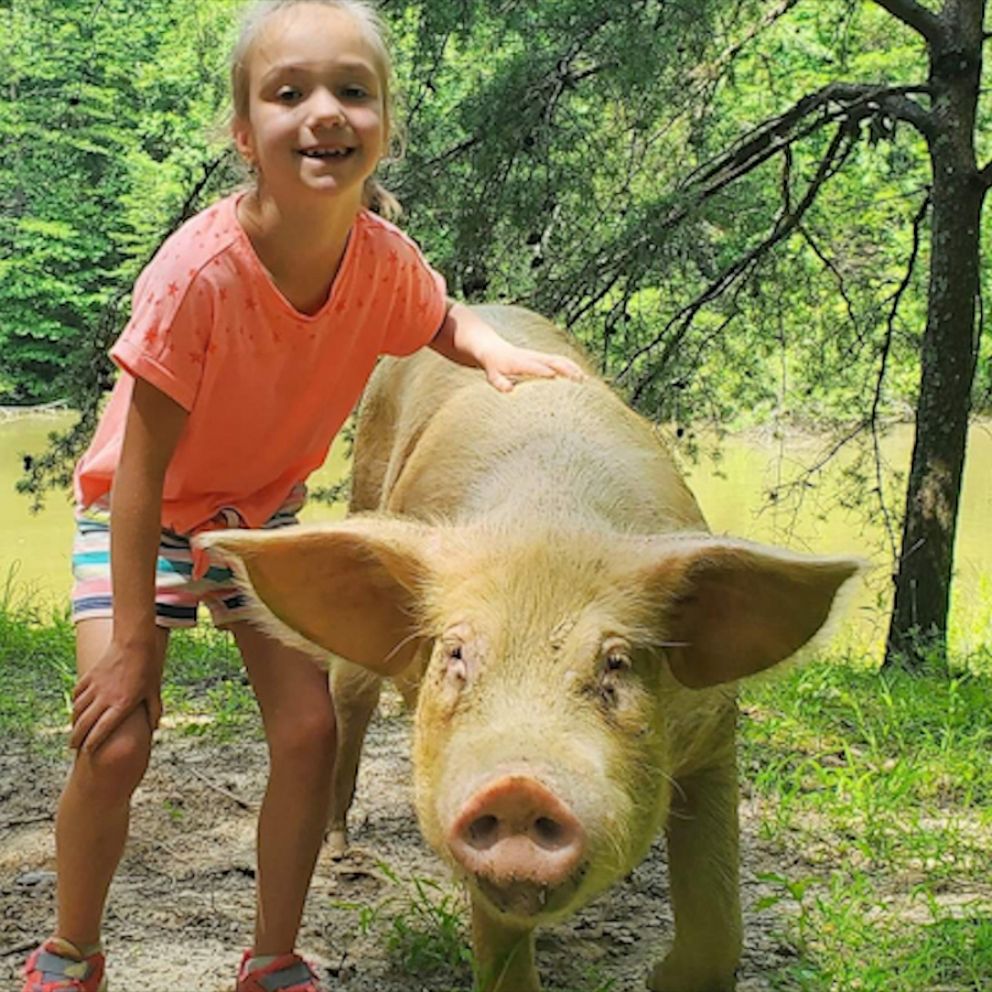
(252, 334)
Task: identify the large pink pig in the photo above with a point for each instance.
(535, 563)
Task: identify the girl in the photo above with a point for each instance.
(252, 334)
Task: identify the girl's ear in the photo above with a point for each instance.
(243, 140)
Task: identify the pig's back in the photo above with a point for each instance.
(435, 441)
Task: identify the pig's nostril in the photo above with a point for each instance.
(548, 832)
(483, 831)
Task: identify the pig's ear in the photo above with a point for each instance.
(731, 609)
(351, 589)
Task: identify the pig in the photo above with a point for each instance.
(532, 568)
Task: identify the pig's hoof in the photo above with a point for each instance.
(670, 976)
(336, 844)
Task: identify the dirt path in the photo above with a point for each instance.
(181, 906)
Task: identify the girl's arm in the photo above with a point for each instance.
(466, 338)
(128, 673)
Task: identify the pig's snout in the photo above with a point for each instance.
(513, 830)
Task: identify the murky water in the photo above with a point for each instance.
(35, 549)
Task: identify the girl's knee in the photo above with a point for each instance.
(114, 770)
(305, 738)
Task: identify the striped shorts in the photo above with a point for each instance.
(177, 593)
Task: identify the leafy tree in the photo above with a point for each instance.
(106, 120)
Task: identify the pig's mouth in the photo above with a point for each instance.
(528, 899)
(520, 845)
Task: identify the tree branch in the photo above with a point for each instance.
(902, 108)
(855, 99)
(890, 326)
(848, 103)
(832, 268)
(713, 71)
(913, 14)
(840, 148)
(985, 175)
(803, 481)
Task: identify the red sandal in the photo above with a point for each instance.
(287, 973)
(58, 966)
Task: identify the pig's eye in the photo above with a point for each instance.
(455, 659)
(615, 666)
(616, 662)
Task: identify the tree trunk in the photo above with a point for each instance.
(918, 628)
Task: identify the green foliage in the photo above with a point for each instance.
(96, 158)
(599, 163)
(549, 146)
(847, 940)
(206, 689)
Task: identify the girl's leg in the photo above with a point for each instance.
(93, 813)
(298, 717)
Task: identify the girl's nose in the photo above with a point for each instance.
(326, 109)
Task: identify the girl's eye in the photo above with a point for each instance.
(355, 92)
(288, 94)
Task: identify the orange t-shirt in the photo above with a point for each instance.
(267, 388)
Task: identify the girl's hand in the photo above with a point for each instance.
(121, 681)
(466, 338)
(504, 363)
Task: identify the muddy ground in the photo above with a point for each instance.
(181, 905)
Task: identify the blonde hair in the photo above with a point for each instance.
(254, 16)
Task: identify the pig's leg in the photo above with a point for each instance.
(504, 957)
(355, 692)
(703, 865)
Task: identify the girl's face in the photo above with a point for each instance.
(316, 121)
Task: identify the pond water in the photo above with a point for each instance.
(732, 491)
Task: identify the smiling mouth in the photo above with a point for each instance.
(326, 153)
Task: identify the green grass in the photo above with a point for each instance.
(205, 692)
(883, 783)
(37, 671)
(870, 796)
(423, 925)
(206, 688)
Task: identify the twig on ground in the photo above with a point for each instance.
(26, 821)
(23, 947)
(244, 804)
